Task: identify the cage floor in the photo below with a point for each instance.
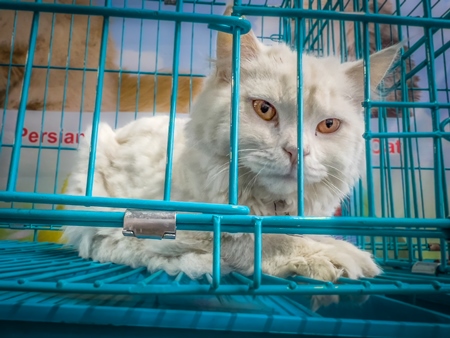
(45, 283)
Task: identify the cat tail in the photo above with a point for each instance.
(152, 93)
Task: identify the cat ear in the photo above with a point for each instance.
(250, 47)
(380, 64)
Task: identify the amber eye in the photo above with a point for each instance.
(264, 109)
(328, 126)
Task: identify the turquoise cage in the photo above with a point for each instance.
(399, 211)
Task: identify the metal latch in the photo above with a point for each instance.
(149, 224)
(429, 268)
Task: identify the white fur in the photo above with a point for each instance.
(131, 163)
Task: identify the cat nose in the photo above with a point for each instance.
(293, 153)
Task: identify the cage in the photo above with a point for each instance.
(68, 64)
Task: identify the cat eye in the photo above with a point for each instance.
(264, 109)
(328, 126)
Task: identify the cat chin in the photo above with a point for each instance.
(280, 185)
(287, 184)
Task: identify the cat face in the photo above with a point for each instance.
(333, 122)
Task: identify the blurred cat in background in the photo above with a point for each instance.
(82, 55)
(151, 87)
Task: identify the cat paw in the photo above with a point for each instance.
(317, 267)
(327, 260)
(356, 263)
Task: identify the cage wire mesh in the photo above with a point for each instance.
(48, 95)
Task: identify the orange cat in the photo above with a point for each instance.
(58, 39)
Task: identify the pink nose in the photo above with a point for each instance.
(293, 153)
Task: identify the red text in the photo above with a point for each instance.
(51, 137)
(394, 147)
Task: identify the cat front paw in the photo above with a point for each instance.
(355, 262)
(316, 266)
(325, 259)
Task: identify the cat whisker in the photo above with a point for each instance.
(315, 192)
(244, 174)
(345, 201)
(253, 180)
(337, 169)
(332, 186)
(223, 168)
(338, 178)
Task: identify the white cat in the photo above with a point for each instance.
(131, 163)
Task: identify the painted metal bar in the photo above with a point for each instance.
(91, 275)
(8, 80)
(237, 223)
(122, 203)
(269, 279)
(112, 279)
(242, 279)
(216, 253)
(60, 272)
(47, 75)
(31, 262)
(46, 270)
(389, 104)
(15, 156)
(257, 269)
(189, 289)
(151, 278)
(158, 30)
(407, 172)
(97, 104)
(178, 278)
(218, 20)
(367, 115)
(436, 134)
(173, 105)
(139, 65)
(193, 58)
(300, 32)
(234, 120)
(35, 264)
(314, 230)
(437, 142)
(115, 71)
(120, 67)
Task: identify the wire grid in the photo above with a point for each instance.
(73, 290)
(407, 232)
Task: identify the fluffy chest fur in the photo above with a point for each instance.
(131, 163)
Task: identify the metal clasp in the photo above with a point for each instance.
(149, 224)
